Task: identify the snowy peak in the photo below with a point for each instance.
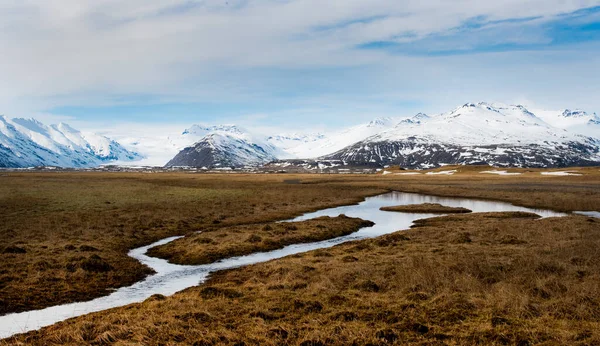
(479, 108)
(221, 146)
(30, 124)
(420, 116)
(414, 120)
(486, 115)
(567, 113)
(578, 116)
(526, 111)
(65, 128)
(474, 133)
(224, 150)
(380, 122)
(197, 132)
(499, 109)
(473, 107)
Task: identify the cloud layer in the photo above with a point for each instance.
(288, 58)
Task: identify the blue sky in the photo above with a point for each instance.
(290, 65)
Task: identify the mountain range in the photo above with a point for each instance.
(28, 142)
(474, 133)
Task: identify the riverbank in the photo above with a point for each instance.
(212, 245)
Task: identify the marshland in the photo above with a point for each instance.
(489, 278)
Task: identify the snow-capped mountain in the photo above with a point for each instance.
(338, 140)
(224, 146)
(479, 133)
(475, 133)
(482, 123)
(160, 146)
(232, 146)
(196, 132)
(28, 142)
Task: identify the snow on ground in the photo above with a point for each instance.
(499, 172)
(386, 172)
(408, 173)
(560, 173)
(442, 172)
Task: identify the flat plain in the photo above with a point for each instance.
(489, 278)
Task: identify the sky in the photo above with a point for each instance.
(289, 65)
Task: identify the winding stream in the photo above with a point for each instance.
(595, 214)
(172, 278)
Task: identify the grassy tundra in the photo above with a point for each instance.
(472, 278)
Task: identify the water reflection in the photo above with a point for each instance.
(171, 278)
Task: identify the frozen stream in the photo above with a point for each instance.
(171, 278)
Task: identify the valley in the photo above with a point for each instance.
(299, 173)
(106, 223)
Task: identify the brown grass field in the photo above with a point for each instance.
(462, 279)
(76, 228)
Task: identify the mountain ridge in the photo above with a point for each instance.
(474, 133)
(29, 142)
(482, 133)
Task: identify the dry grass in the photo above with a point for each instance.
(75, 229)
(52, 215)
(215, 244)
(490, 279)
(427, 208)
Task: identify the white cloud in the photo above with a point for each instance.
(87, 52)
